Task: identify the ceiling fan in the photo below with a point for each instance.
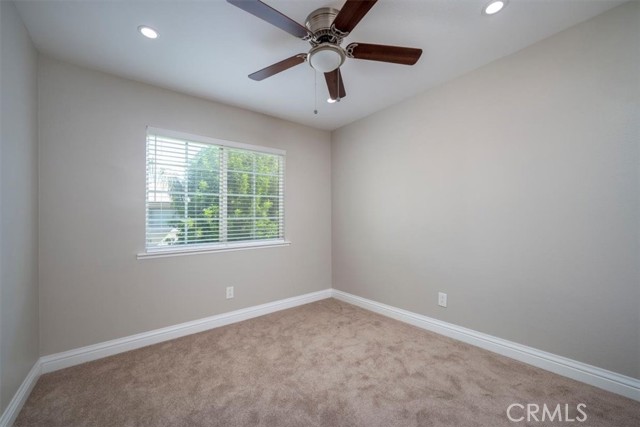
(325, 30)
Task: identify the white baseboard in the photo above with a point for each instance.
(607, 380)
(53, 362)
(13, 409)
(592, 375)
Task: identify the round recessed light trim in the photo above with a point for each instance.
(148, 32)
(494, 7)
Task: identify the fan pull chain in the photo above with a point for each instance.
(315, 92)
(338, 79)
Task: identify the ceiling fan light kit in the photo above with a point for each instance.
(326, 57)
(325, 29)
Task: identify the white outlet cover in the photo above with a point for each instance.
(442, 299)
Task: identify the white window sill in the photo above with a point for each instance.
(162, 253)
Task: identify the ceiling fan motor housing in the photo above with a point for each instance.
(326, 54)
(319, 23)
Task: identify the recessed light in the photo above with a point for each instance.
(331, 100)
(494, 7)
(148, 32)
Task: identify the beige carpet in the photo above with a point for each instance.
(322, 364)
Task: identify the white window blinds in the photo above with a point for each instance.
(203, 192)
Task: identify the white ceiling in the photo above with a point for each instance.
(207, 48)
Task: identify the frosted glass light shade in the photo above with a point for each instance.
(326, 57)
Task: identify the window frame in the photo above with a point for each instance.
(200, 248)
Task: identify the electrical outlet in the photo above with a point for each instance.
(229, 292)
(442, 299)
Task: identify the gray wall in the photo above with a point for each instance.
(18, 204)
(515, 190)
(92, 210)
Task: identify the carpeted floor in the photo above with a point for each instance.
(323, 364)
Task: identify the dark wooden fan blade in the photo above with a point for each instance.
(278, 67)
(272, 16)
(351, 13)
(379, 52)
(334, 81)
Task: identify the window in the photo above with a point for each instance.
(206, 194)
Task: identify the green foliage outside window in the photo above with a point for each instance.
(252, 197)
